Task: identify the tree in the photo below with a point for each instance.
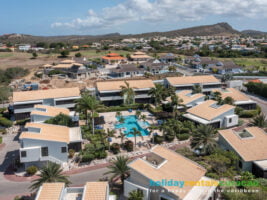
(61, 119)
(128, 93)
(118, 114)
(196, 89)
(175, 102)
(88, 102)
(260, 120)
(119, 168)
(136, 195)
(5, 93)
(34, 55)
(49, 174)
(143, 117)
(78, 55)
(121, 136)
(138, 114)
(157, 93)
(172, 68)
(229, 100)
(203, 139)
(217, 96)
(64, 53)
(135, 133)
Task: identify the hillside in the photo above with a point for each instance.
(216, 29)
(254, 33)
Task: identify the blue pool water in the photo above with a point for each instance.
(131, 122)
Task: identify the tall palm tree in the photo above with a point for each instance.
(136, 195)
(119, 168)
(88, 102)
(175, 102)
(260, 120)
(204, 139)
(109, 134)
(151, 130)
(121, 136)
(138, 113)
(143, 117)
(128, 93)
(49, 174)
(157, 93)
(196, 89)
(135, 133)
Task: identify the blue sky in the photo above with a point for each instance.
(93, 17)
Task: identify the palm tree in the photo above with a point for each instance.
(196, 89)
(229, 100)
(135, 133)
(50, 173)
(260, 120)
(121, 120)
(175, 102)
(151, 129)
(128, 93)
(172, 68)
(88, 102)
(121, 136)
(136, 195)
(157, 93)
(118, 114)
(204, 139)
(109, 134)
(138, 113)
(143, 117)
(119, 168)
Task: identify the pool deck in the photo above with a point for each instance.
(110, 119)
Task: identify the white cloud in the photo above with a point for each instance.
(166, 10)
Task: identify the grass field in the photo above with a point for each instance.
(247, 62)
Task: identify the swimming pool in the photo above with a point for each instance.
(131, 122)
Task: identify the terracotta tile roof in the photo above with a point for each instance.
(96, 191)
(48, 132)
(140, 54)
(187, 98)
(235, 94)
(45, 94)
(192, 80)
(49, 110)
(249, 149)
(206, 110)
(177, 167)
(50, 191)
(116, 85)
(113, 58)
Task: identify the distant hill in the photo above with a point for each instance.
(222, 29)
(254, 33)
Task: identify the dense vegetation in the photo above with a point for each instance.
(257, 88)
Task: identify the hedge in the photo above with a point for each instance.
(169, 138)
(1, 139)
(182, 137)
(120, 108)
(5, 122)
(158, 139)
(31, 170)
(128, 145)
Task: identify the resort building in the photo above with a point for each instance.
(41, 143)
(240, 99)
(140, 57)
(58, 191)
(110, 92)
(24, 102)
(210, 113)
(207, 83)
(42, 113)
(250, 145)
(162, 174)
(189, 99)
(113, 58)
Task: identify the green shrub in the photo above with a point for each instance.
(158, 139)
(101, 154)
(185, 130)
(71, 153)
(248, 113)
(182, 137)
(88, 157)
(128, 145)
(2, 110)
(212, 175)
(5, 122)
(120, 108)
(22, 122)
(3, 131)
(169, 137)
(1, 139)
(31, 170)
(115, 148)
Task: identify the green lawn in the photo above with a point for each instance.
(94, 54)
(247, 62)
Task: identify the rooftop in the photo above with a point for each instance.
(249, 148)
(192, 80)
(116, 85)
(234, 93)
(45, 94)
(50, 191)
(188, 97)
(49, 110)
(96, 191)
(174, 166)
(209, 110)
(51, 132)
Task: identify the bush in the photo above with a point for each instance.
(128, 145)
(101, 154)
(115, 148)
(22, 122)
(184, 130)
(78, 55)
(182, 137)
(1, 139)
(31, 170)
(158, 139)
(120, 108)
(248, 113)
(71, 153)
(169, 137)
(5, 122)
(88, 157)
